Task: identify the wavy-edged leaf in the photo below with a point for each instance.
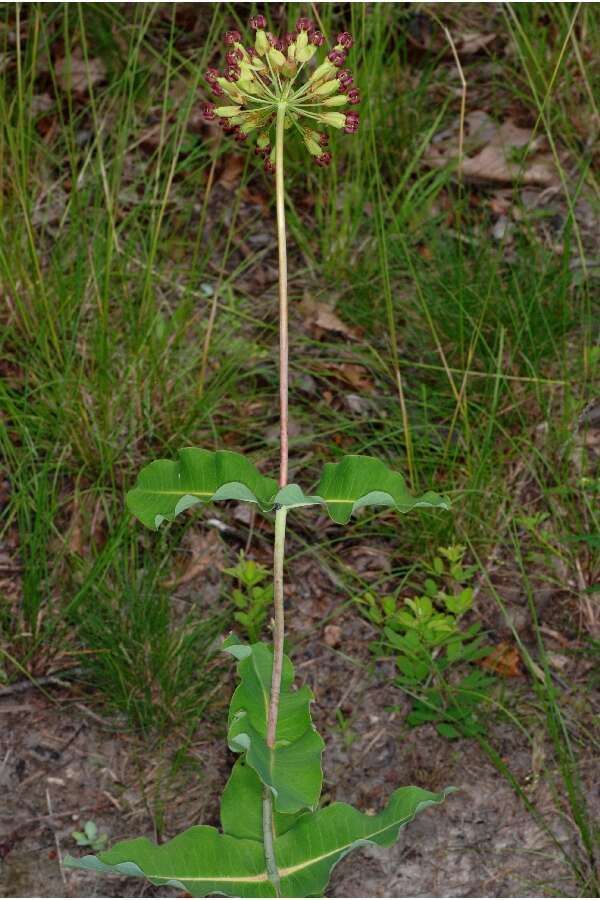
(241, 806)
(166, 488)
(202, 861)
(358, 481)
(307, 854)
(292, 769)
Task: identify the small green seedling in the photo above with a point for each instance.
(345, 727)
(276, 840)
(433, 651)
(252, 598)
(90, 837)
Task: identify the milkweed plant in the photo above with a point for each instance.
(275, 839)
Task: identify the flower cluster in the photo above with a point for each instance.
(260, 79)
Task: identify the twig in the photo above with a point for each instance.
(56, 840)
(20, 686)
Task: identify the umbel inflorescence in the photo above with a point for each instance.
(275, 72)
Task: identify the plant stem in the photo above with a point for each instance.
(268, 841)
(281, 513)
(283, 300)
(278, 627)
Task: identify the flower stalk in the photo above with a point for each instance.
(280, 515)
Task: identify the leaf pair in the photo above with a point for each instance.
(307, 842)
(166, 488)
(204, 861)
(292, 769)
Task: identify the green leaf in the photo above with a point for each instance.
(359, 481)
(202, 860)
(241, 806)
(166, 488)
(292, 769)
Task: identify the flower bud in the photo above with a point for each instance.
(233, 73)
(312, 146)
(261, 44)
(208, 112)
(325, 70)
(338, 100)
(305, 53)
(335, 119)
(231, 38)
(226, 111)
(345, 39)
(337, 57)
(233, 57)
(240, 137)
(269, 166)
(328, 87)
(323, 139)
(304, 24)
(217, 90)
(211, 75)
(353, 96)
(263, 140)
(317, 38)
(352, 122)
(302, 40)
(345, 77)
(324, 159)
(256, 22)
(276, 57)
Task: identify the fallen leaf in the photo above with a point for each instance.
(472, 42)
(320, 318)
(78, 75)
(230, 174)
(509, 154)
(332, 635)
(355, 375)
(503, 660)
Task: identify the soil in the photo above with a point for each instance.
(62, 764)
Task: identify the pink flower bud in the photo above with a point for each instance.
(324, 159)
(233, 57)
(345, 78)
(269, 166)
(337, 57)
(240, 137)
(323, 139)
(217, 90)
(232, 37)
(208, 112)
(256, 22)
(352, 122)
(211, 75)
(353, 96)
(345, 39)
(251, 52)
(317, 38)
(233, 73)
(289, 38)
(227, 126)
(304, 24)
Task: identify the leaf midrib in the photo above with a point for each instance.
(284, 872)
